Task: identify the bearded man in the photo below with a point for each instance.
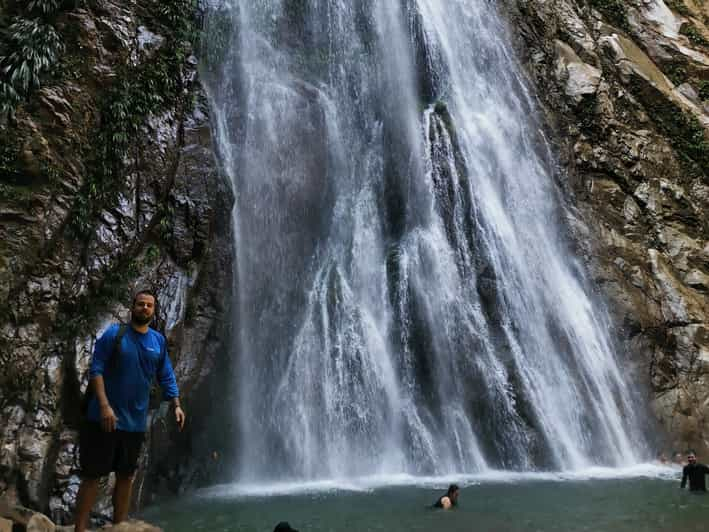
(125, 362)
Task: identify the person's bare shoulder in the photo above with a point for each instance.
(446, 503)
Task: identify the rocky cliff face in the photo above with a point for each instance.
(108, 183)
(624, 86)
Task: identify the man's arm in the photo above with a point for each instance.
(168, 384)
(179, 413)
(684, 477)
(102, 353)
(108, 417)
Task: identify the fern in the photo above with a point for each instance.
(33, 47)
(8, 100)
(43, 7)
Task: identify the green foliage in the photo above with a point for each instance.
(686, 135)
(32, 48)
(179, 16)
(152, 255)
(138, 93)
(676, 73)
(703, 89)
(693, 34)
(681, 128)
(614, 11)
(43, 7)
(8, 160)
(15, 194)
(8, 98)
(12, 188)
(679, 7)
(693, 142)
(166, 216)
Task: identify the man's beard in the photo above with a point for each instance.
(140, 320)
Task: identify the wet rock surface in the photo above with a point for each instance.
(13, 518)
(71, 256)
(625, 90)
(624, 87)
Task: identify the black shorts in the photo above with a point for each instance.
(101, 452)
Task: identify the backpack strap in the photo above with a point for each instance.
(116, 351)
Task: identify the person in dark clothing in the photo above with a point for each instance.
(448, 500)
(116, 415)
(695, 473)
(283, 526)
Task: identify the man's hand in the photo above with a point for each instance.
(108, 418)
(179, 417)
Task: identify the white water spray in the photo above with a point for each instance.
(405, 300)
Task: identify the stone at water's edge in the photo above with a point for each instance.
(32, 521)
(626, 98)
(40, 523)
(131, 525)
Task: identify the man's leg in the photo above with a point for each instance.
(88, 489)
(121, 496)
(130, 444)
(96, 449)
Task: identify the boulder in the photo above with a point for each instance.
(40, 523)
(580, 79)
(5, 525)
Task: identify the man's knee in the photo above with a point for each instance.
(89, 483)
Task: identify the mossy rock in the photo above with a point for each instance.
(614, 11)
(683, 130)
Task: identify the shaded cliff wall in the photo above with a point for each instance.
(624, 86)
(108, 183)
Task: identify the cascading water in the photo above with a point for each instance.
(405, 302)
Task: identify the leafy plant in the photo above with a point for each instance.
(179, 16)
(139, 92)
(613, 10)
(676, 73)
(679, 6)
(693, 34)
(33, 47)
(703, 90)
(44, 7)
(30, 48)
(8, 99)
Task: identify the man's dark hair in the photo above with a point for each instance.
(145, 292)
(452, 489)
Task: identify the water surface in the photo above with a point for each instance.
(498, 502)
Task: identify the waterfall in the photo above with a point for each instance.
(405, 298)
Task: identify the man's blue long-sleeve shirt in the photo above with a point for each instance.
(127, 379)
